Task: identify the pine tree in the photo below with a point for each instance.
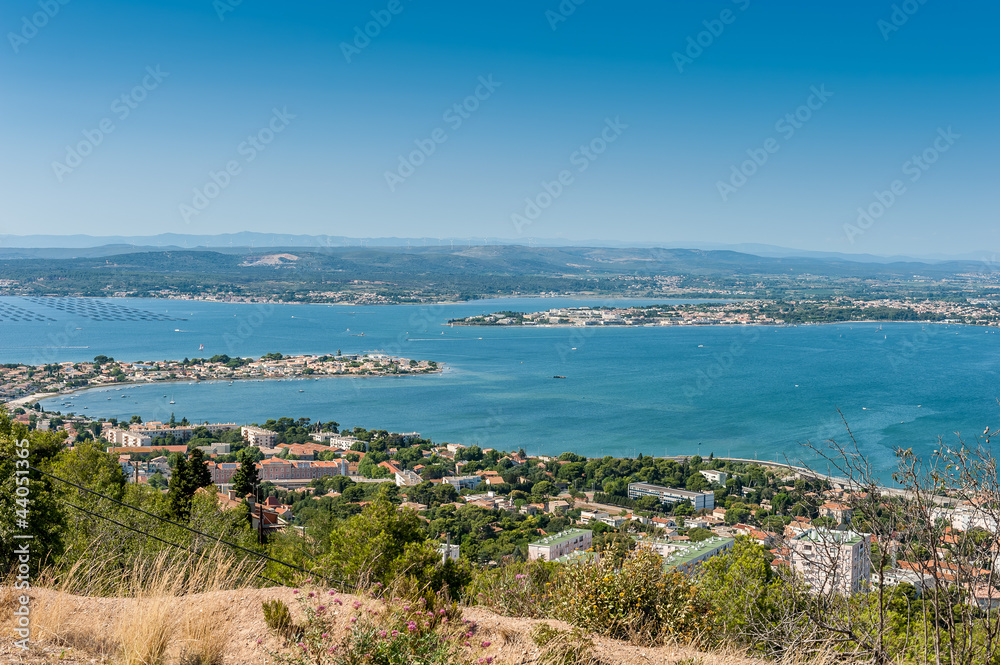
(180, 490)
(245, 477)
(200, 475)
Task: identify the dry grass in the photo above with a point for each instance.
(142, 617)
(176, 623)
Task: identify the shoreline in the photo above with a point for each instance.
(40, 396)
(720, 325)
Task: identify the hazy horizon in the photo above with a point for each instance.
(729, 123)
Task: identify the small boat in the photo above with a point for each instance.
(558, 377)
(301, 391)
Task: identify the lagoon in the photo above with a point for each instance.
(741, 391)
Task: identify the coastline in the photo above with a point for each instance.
(37, 397)
(719, 325)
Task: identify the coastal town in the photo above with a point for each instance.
(19, 382)
(751, 312)
(564, 509)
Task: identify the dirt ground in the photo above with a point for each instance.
(90, 625)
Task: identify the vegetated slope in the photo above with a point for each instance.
(426, 271)
(89, 628)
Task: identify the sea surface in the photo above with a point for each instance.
(756, 392)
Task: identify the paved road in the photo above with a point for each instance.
(836, 481)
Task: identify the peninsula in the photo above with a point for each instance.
(19, 382)
(752, 312)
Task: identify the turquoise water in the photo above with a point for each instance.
(749, 392)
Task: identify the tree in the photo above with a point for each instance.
(245, 478)
(157, 481)
(737, 514)
(697, 483)
(382, 544)
(45, 519)
(683, 508)
(200, 475)
(180, 490)
(698, 534)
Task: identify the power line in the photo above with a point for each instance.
(200, 533)
(149, 535)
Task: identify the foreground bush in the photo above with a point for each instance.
(637, 601)
(383, 632)
(519, 589)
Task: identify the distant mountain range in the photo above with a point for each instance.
(84, 246)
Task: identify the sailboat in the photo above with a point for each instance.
(172, 399)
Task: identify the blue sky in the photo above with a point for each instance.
(625, 121)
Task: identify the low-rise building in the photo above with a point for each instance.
(560, 544)
(685, 556)
(838, 511)
(713, 476)
(699, 500)
(463, 482)
(407, 478)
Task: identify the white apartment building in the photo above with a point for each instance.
(407, 478)
(837, 561)
(699, 500)
(463, 482)
(124, 437)
(258, 436)
(713, 476)
(561, 544)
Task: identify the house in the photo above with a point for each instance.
(838, 511)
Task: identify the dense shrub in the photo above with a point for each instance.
(384, 632)
(519, 589)
(638, 601)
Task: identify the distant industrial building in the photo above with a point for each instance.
(699, 500)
